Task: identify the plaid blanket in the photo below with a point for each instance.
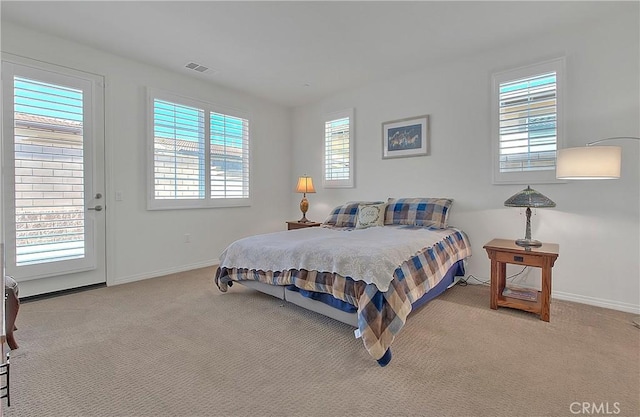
(381, 315)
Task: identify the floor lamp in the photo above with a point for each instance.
(592, 163)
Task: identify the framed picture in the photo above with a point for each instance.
(405, 137)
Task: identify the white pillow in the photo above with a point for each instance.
(370, 215)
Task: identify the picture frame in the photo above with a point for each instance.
(405, 137)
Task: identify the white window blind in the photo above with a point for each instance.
(229, 156)
(49, 179)
(338, 150)
(528, 123)
(178, 151)
(188, 172)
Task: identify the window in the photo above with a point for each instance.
(338, 150)
(527, 104)
(199, 154)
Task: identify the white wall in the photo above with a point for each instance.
(142, 243)
(596, 223)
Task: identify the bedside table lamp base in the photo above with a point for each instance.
(527, 241)
(304, 206)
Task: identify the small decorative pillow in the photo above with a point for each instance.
(370, 215)
(424, 212)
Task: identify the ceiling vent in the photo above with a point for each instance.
(197, 67)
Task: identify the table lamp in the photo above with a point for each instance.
(305, 185)
(528, 198)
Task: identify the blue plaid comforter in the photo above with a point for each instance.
(381, 315)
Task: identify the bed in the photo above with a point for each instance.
(369, 265)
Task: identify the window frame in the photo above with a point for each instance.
(556, 65)
(208, 108)
(341, 183)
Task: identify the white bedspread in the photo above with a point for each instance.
(371, 255)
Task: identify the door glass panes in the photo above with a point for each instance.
(49, 172)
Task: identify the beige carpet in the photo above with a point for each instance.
(175, 346)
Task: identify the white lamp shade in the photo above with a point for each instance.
(305, 185)
(589, 163)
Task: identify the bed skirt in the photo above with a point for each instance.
(329, 306)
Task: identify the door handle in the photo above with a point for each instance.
(96, 208)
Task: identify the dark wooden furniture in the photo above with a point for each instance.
(4, 363)
(300, 225)
(12, 305)
(505, 251)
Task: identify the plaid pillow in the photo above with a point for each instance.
(346, 215)
(425, 212)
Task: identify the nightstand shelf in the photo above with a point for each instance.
(503, 252)
(520, 304)
(300, 225)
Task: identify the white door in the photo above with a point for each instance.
(53, 176)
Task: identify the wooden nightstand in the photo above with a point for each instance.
(299, 225)
(505, 251)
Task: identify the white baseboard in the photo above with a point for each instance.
(598, 302)
(593, 301)
(162, 272)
